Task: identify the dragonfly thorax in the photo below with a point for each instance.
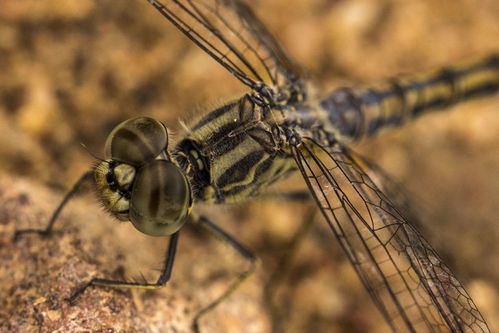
(139, 183)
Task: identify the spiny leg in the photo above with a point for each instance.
(163, 278)
(86, 177)
(245, 253)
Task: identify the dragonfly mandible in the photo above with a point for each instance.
(282, 125)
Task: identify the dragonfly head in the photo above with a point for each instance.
(139, 183)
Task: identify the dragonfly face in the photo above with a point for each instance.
(138, 184)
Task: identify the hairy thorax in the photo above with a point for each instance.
(232, 154)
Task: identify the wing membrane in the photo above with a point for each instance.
(231, 34)
(409, 205)
(414, 290)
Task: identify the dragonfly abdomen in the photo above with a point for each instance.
(361, 112)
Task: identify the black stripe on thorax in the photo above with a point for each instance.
(256, 184)
(214, 115)
(222, 139)
(238, 171)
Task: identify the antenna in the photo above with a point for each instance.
(90, 153)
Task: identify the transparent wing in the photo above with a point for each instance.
(409, 205)
(230, 33)
(414, 290)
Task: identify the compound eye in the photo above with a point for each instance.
(136, 141)
(161, 199)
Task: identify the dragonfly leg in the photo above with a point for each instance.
(278, 308)
(86, 177)
(162, 280)
(295, 196)
(245, 253)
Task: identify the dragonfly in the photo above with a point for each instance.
(284, 125)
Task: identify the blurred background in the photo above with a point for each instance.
(72, 70)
